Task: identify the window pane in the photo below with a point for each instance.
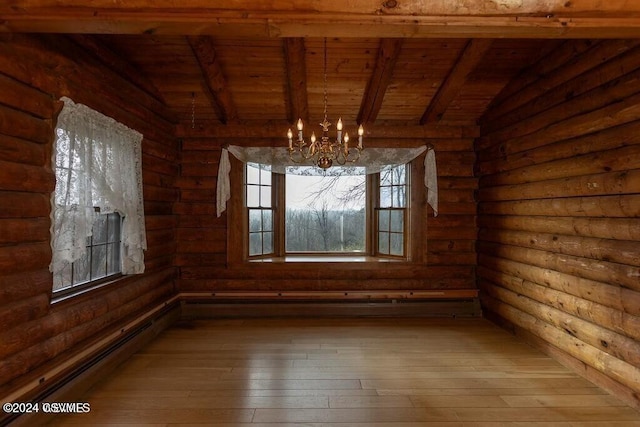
(397, 244)
(385, 197)
(255, 220)
(114, 227)
(265, 176)
(325, 213)
(81, 269)
(267, 243)
(113, 258)
(400, 175)
(99, 231)
(253, 174)
(398, 196)
(98, 261)
(255, 244)
(383, 220)
(383, 242)
(265, 197)
(386, 176)
(253, 196)
(267, 220)
(397, 221)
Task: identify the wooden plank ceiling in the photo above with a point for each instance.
(390, 63)
(226, 80)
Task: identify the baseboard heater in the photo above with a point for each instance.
(436, 303)
(82, 363)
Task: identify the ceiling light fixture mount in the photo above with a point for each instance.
(324, 151)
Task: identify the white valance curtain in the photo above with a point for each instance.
(372, 160)
(98, 167)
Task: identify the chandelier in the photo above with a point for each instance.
(324, 151)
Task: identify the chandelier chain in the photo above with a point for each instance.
(325, 79)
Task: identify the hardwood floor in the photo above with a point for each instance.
(346, 372)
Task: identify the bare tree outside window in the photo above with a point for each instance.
(325, 213)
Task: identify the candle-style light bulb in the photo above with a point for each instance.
(290, 136)
(313, 137)
(339, 126)
(360, 133)
(300, 125)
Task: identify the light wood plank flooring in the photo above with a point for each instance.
(346, 372)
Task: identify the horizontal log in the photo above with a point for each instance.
(352, 271)
(195, 182)
(205, 260)
(18, 150)
(203, 221)
(13, 231)
(24, 257)
(22, 125)
(603, 228)
(451, 246)
(14, 204)
(165, 147)
(552, 102)
(216, 144)
(195, 208)
(210, 285)
(19, 177)
(23, 285)
(444, 232)
(619, 159)
(603, 184)
(451, 258)
(40, 54)
(79, 311)
(599, 63)
(557, 56)
(615, 114)
(153, 178)
(160, 194)
(621, 299)
(25, 98)
(619, 346)
(47, 349)
(600, 271)
(603, 362)
(199, 170)
(618, 206)
(23, 311)
(162, 166)
(196, 196)
(618, 251)
(157, 222)
(607, 139)
(602, 316)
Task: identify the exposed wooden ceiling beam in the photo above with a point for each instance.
(329, 18)
(216, 84)
(380, 78)
(471, 55)
(296, 70)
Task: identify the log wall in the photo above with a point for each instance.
(36, 335)
(446, 244)
(559, 208)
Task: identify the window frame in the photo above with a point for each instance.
(415, 248)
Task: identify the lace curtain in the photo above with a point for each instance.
(98, 168)
(372, 160)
